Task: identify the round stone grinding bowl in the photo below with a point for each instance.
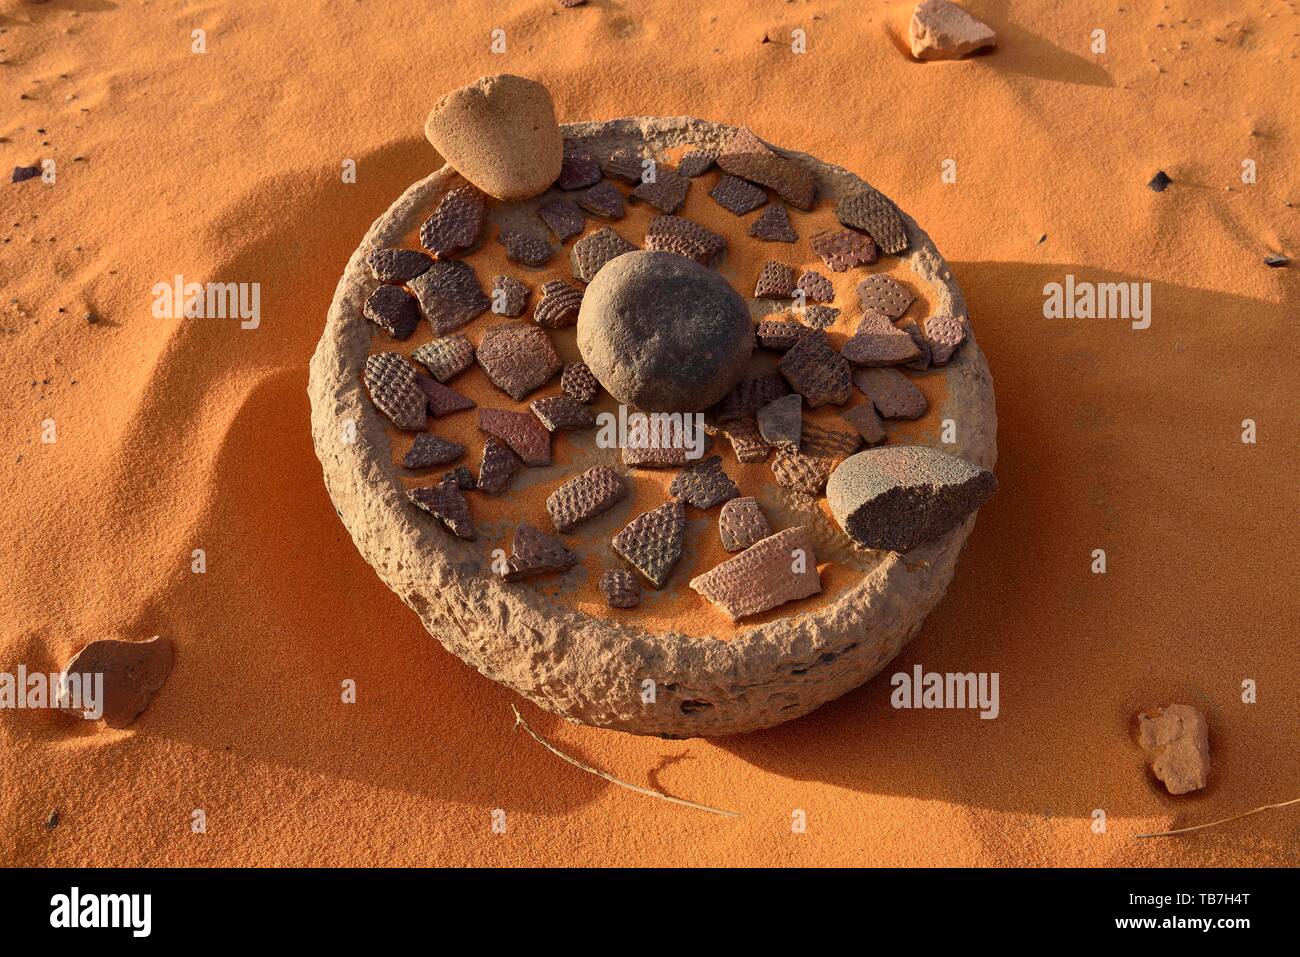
(610, 670)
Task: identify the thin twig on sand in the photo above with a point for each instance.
(1225, 820)
(519, 720)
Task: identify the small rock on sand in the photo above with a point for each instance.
(1177, 740)
(133, 671)
(944, 31)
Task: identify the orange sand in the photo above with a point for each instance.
(181, 434)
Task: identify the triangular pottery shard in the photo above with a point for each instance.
(778, 569)
(132, 671)
(652, 542)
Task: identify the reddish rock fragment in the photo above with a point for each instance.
(430, 450)
(877, 342)
(1176, 740)
(668, 191)
(132, 671)
(884, 294)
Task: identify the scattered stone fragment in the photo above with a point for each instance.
(898, 497)
(667, 193)
(445, 502)
(463, 477)
(584, 497)
(576, 380)
(500, 134)
(816, 371)
(395, 390)
(603, 200)
(697, 162)
(652, 542)
(446, 356)
(430, 450)
(593, 251)
(394, 310)
(132, 671)
(621, 588)
(843, 249)
(509, 297)
(455, 223)
(869, 211)
(819, 317)
(805, 473)
(864, 418)
(746, 156)
(828, 443)
(578, 169)
(816, 287)
(778, 569)
(776, 281)
(528, 249)
(441, 399)
(737, 196)
(533, 552)
(704, 484)
(941, 30)
(922, 362)
(746, 441)
(1159, 182)
(877, 342)
(884, 294)
(773, 225)
(945, 334)
(676, 234)
(657, 441)
(498, 466)
(572, 4)
(741, 523)
(522, 431)
(1176, 740)
(778, 335)
(558, 306)
(563, 217)
(397, 265)
(1276, 260)
(750, 395)
(22, 174)
(893, 394)
(449, 294)
(780, 422)
(517, 358)
(558, 412)
(624, 164)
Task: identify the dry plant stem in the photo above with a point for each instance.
(1235, 817)
(519, 720)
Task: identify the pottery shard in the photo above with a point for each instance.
(842, 249)
(815, 286)
(944, 31)
(558, 306)
(394, 310)
(445, 502)
(430, 450)
(741, 523)
(593, 251)
(816, 371)
(449, 294)
(397, 265)
(871, 212)
(500, 134)
(893, 394)
(497, 467)
(455, 223)
(1176, 739)
(704, 484)
(558, 412)
(133, 671)
(781, 422)
(750, 395)
(921, 362)
(563, 217)
(746, 441)
(773, 226)
(746, 156)
(864, 418)
(652, 542)
(525, 435)
(517, 358)
(657, 442)
(737, 196)
(578, 169)
(603, 200)
(526, 248)
(819, 317)
(828, 443)
(778, 569)
(897, 497)
(624, 164)
(885, 294)
(576, 380)
(533, 552)
(509, 297)
(805, 473)
(676, 234)
(463, 478)
(697, 162)
(877, 342)
(779, 335)
(446, 356)
(442, 400)
(621, 589)
(584, 497)
(775, 281)
(668, 191)
(395, 390)
(944, 334)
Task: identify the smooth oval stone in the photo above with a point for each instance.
(663, 333)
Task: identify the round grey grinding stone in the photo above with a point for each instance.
(663, 333)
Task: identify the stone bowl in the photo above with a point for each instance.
(603, 670)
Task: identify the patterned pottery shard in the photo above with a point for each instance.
(778, 335)
(449, 294)
(517, 358)
(893, 394)
(455, 224)
(445, 502)
(815, 286)
(558, 412)
(394, 388)
(584, 497)
(828, 443)
(446, 356)
(533, 552)
(697, 162)
(509, 297)
(776, 281)
(704, 484)
(922, 362)
(735, 195)
(944, 334)
(394, 310)
(780, 423)
(885, 294)
(778, 569)
(869, 211)
(442, 400)
(603, 200)
(668, 191)
(877, 342)
(805, 473)
(749, 158)
(519, 430)
(591, 252)
(864, 418)
(558, 306)
(624, 164)
(820, 317)
(576, 380)
(816, 371)
(676, 234)
(430, 450)
(656, 441)
(397, 265)
(843, 249)
(750, 395)
(528, 249)
(498, 466)
(746, 441)
(463, 478)
(773, 226)
(741, 523)
(132, 671)
(621, 589)
(578, 169)
(652, 542)
(563, 217)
